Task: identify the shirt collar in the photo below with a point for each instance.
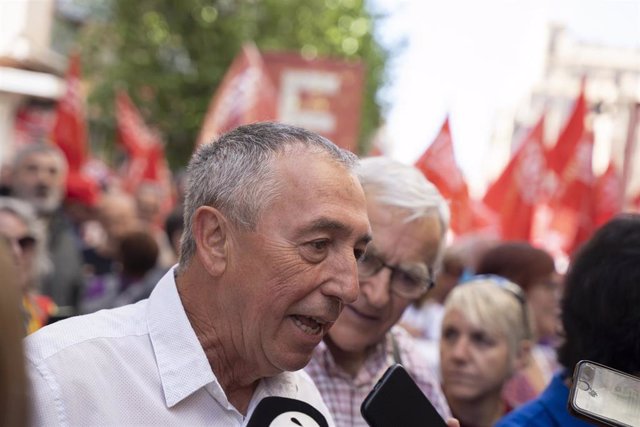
(376, 360)
(182, 363)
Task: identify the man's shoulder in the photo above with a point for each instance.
(78, 331)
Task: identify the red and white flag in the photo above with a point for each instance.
(566, 220)
(246, 95)
(608, 198)
(514, 195)
(69, 128)
(146, 160)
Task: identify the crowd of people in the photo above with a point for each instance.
(290, 268)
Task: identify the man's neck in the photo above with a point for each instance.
(482, 412)
(350, 362)
(235, 376)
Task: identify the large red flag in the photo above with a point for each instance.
(246, 95)
(566, 220)
(69, 128)
(438, 164)
(607, 196)
(514, 194)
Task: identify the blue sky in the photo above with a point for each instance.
(472, 58)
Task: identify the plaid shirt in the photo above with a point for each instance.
(344, 394)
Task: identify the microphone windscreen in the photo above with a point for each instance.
(275, 411)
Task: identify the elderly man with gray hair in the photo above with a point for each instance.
(38, 177)
(275, 221)
(409, 219)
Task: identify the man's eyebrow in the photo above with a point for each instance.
(333, 225)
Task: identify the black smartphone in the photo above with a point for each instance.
(396, 400)
(605, 396)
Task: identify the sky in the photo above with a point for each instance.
(472, 58)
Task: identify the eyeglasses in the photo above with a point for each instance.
(404, 283)
(26, 243)
(511, 288)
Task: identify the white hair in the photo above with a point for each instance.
(397, 185)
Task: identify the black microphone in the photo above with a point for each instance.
(274, 411)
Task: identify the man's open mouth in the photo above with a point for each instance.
(308, 324)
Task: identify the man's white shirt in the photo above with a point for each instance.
(140, 364)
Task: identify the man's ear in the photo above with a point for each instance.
(210, 229)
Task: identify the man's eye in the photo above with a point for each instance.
(316, 250)
(358, 253)
(319, 245)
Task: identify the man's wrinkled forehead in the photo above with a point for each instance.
(41, 159)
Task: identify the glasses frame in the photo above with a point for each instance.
(26, 242)
(427, 284)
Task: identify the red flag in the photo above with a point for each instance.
(607, 196)
(635, 202)
(514, 194)
(438, 164)
(69, 128)
(133, 134)
(146, 160)
(566, 220)
(246, 95)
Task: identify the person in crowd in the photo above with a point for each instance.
(80, 203)
(408, 219)
(24, 234)
(13, 381)
(533, 269)
(600, 318)
(136, 277)
(116, 215)
(173, 227)
(423, 319)
(275, 223)
(149, 198)
(38, 177)
(485, 340)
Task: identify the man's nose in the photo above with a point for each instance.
(377, 288)
(345, 285)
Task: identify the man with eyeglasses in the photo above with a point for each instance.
(409, 219)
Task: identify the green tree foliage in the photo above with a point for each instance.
(171, 55)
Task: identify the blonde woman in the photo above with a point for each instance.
(485, 340)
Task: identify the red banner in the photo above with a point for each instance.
(322, 95)
(246, 95)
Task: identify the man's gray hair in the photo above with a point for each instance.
(397, 185)
(234, 173)
(25, 212)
